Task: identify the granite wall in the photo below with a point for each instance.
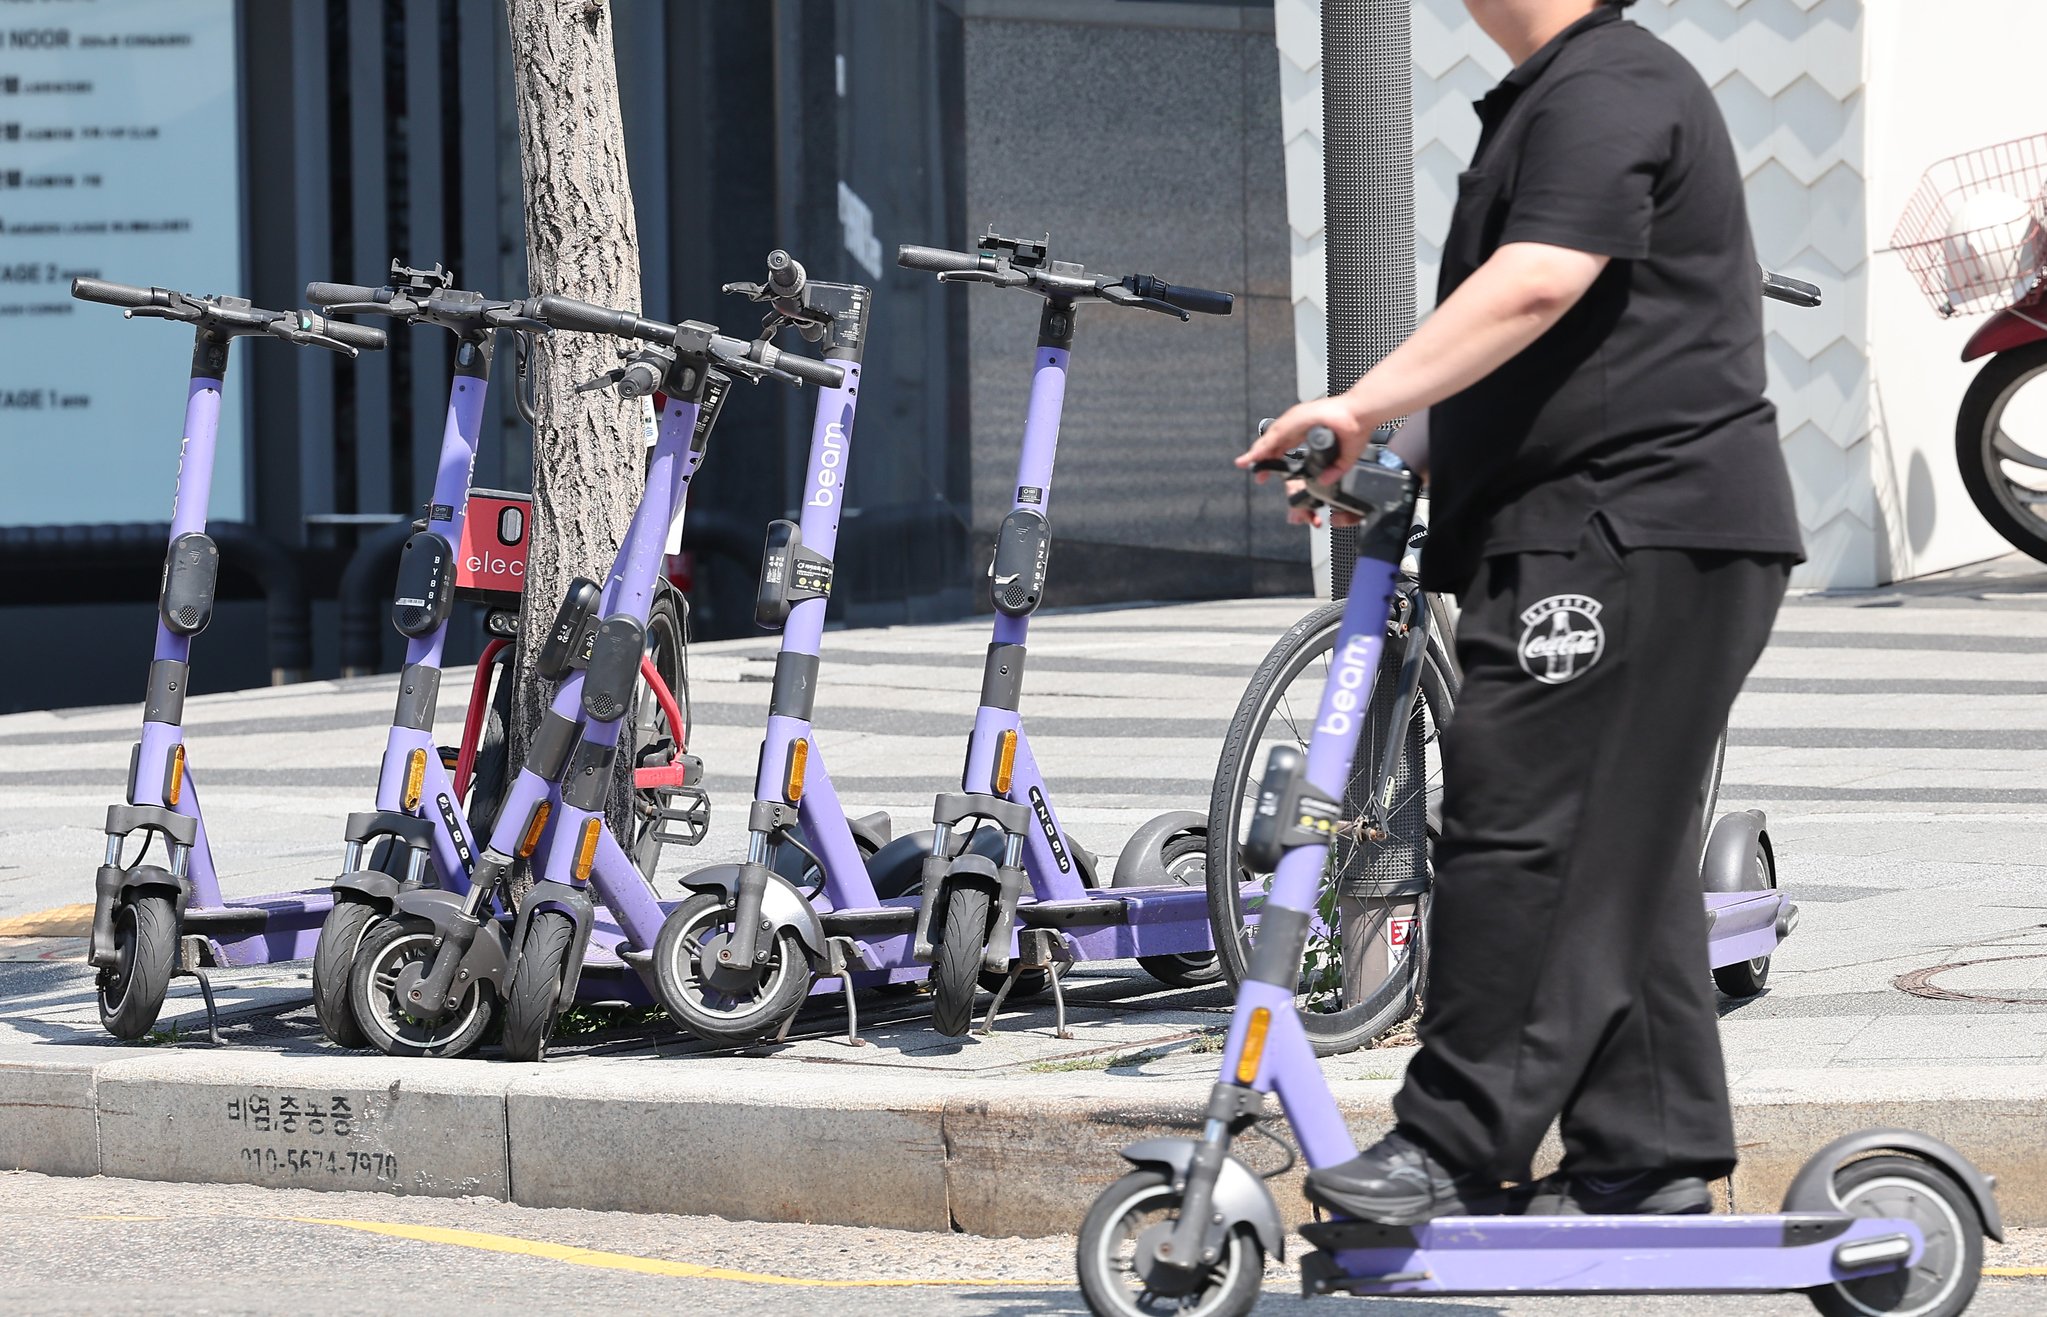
(1144, 137)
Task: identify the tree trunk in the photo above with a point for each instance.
(589, 462)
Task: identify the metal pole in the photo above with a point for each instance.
(1368, 197)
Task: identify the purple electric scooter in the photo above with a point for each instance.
(973, 919)
(823, 901)
(1885, 1221)
(420, 825)
(427, 980)
(152, 920)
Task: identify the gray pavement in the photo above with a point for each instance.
(120, 1246)
(1895, 738)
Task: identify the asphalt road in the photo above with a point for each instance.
(119, 1246)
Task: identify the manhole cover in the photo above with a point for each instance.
(1970, 980)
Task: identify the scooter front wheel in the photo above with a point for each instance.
(956, 969)
(146, 940)
(341, 935)
(1113, 1281)
(534, 1002)
(1906, 1188)
(721, 1005)
(396, 951)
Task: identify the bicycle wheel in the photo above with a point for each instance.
(1366, 956)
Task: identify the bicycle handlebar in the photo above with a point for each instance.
(1786, 289)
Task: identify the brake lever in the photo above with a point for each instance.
(602, 382)
(1114, 293)
(396, 307)
(507, 318)
(1000, 278)
(183, 313)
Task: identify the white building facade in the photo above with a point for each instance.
(1836, 108)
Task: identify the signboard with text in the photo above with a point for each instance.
(119, 153)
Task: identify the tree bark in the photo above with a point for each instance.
(589, 463)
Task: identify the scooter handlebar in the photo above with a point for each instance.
(824, 374)
(112, 294)
(323, 294)
(364, 338)
(1797, 292)
(1201, 301)
(588, 318)
(937, 260)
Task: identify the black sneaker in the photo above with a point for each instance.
(1642, 1193)
(1396, 1182)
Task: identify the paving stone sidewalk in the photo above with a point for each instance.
(1897, 740)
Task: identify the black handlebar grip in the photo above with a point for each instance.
(824, 374)
(1795, 291)
(936, 260)
(365, 338)
(1322, 449)
(584, 317)
(1201, 301)
(785, 273)
(320, 294)
(113, 294)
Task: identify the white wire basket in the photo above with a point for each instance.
(1974, 234)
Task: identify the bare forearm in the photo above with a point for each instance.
(1507, 304)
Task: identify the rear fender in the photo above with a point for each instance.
(1812, 1189)
(2011, 328)
(1142, 863)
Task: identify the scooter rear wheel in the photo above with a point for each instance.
(1186, 860)
(341, 935)
(1944, 1281)
(1107, 1253)
(387, 951)
(725, 1013)
(956, 969)
(534, 1002)
(146, 939)
(1746, 978)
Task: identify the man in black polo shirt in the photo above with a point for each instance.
(1610, 505)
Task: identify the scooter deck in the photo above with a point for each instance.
(247, 931)
(1605, 1254)
(1744, 925)
(1116, 923)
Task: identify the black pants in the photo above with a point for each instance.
(1568, 976)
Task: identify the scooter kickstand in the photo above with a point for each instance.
(189, 963)
(841, 953)
(1001, 996)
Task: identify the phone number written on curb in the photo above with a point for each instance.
(331, 1161)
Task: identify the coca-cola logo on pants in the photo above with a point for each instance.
(1561, 638)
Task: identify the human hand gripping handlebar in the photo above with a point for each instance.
(1304, 467)
(755, 360)
(232, 317)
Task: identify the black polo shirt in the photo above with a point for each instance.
(1644, 404)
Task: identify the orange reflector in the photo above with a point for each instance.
(415, 778)
(586, 849)
(792, 780)
(1005, 761)
(1254, 1045)
(534, 827)
(176, 786)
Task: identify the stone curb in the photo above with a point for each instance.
(1000, 1156)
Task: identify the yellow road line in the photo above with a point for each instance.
(64, 921)
(2015, 1271)
(590, 1257)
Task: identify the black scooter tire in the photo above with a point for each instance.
(1235, 1278)
(131, 994)
(956, 969)
(341, 935)
(1197, 968)
(371, 995)
(534, 1002)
